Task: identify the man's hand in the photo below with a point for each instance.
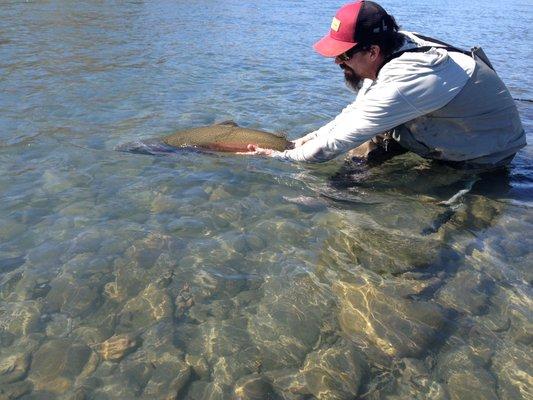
(300, 141)
(255, 150)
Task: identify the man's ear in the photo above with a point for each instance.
(375, 52)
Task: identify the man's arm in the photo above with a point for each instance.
(408, 87)
(382, 109)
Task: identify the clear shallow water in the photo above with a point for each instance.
(207, 276)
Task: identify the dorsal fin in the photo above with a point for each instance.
(228, 122)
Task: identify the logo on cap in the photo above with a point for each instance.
(335, 24)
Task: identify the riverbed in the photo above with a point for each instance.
(215, 276)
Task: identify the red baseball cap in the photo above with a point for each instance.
(353, 23)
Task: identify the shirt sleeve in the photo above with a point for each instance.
(404, 91)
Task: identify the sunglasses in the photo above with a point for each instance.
(347, 55)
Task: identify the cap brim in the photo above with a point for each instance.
(329, 47)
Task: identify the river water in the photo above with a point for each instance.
(211, 276)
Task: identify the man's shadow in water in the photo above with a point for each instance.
(431, 181)
(471, 203)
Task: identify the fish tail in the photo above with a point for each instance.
(152, 147)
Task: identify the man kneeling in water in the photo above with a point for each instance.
(428, 97)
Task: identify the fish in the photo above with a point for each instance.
(226, 136)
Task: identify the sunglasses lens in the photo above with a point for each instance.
(344, 57)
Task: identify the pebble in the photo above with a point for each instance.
(253, 387)
(21, 318)
(13, 367)
(118, 346)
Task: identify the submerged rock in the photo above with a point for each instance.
(21, 318)
(466, 376)
(253, 387)
(170, 372)
(13, 367)
(154, 371)
(380, 249)
(15, 390)
(153, 304)
(88, 241)
(199, 365)
(290, 382)
(29, 287)
(56, 365)
(228, 369)
(480, 213)
(10, 229)
(167, 381)
(111, 291)
(334, 373)
(163, 203)
(202, 390)
(6, 338)
(124, 380)
(208, 284)
(8, 285)
(71, 297)
(371, 313)
(183, 301)
(409, 378)
(59, 325)
(119, 346)
(224, 345)
(145, 252)
(130, 279)
(466, 292)
(512, 366)
(89, 335)
(287, 322)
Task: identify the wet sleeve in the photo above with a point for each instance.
(382, 109)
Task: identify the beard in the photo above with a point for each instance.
(352, 80)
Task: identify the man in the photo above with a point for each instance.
(414, 93)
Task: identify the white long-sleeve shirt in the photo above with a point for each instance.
(412, 90)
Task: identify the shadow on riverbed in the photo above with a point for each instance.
(426, 182)
(414, 297)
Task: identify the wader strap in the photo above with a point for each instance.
(445, 45)
(476, 52)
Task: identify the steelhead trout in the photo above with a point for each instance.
(226, 136)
